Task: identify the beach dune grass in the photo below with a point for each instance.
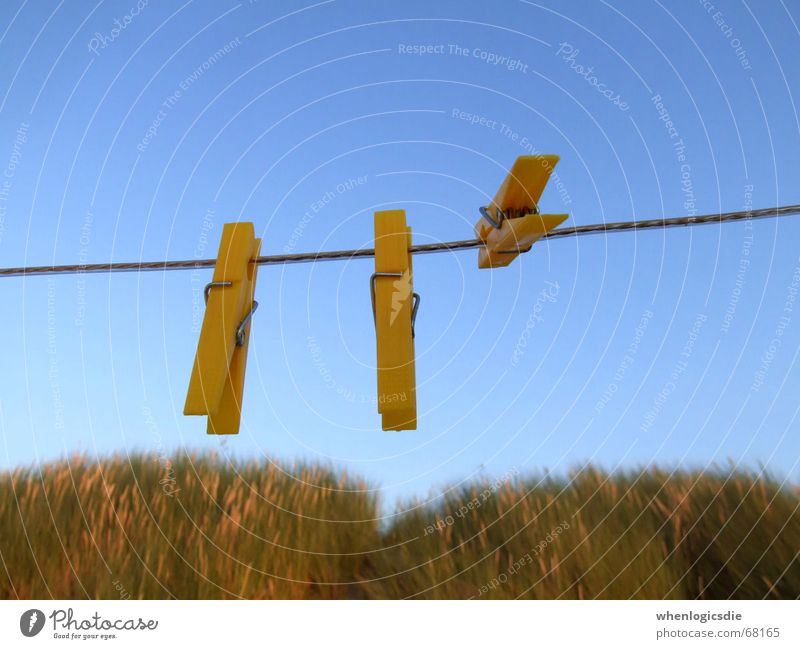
(202, 526)
(186, 527)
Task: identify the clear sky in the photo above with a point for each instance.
(133, 132)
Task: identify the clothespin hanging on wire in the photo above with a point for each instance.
(394, 307)
(512, 223)
(217, 382)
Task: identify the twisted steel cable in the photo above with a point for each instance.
(444, 246)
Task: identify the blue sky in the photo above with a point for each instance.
(133, 132)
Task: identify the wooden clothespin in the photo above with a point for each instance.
(394, 306)
(512, 223)
(217, 382)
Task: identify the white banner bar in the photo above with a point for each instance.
(400, 624)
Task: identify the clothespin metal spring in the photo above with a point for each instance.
(243, 324)
(210, 285)
(502, 215)
(245, 320)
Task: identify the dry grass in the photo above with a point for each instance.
(641, 534)
(202, 527)
(191, 527)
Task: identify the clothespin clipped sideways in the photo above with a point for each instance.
(217, 381)
(394, 307)
(512, 223)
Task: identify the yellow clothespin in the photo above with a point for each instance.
(217, 382)
(394, 306)
(512, 223)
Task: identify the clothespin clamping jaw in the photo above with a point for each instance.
(394, 306)
(217, 382)
(512, 223)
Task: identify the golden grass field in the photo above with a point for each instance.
(204, 527)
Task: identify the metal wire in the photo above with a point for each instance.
(444, 246)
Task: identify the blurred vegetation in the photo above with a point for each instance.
(206, 527)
